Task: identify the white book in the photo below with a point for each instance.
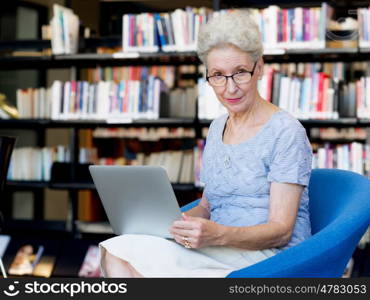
(298, 22)
(4, 241)
(48, 103)
(191, 164)
(56, 97)
(35, 104)
(367, 92)
(74, 24)
(284, 93)
(321, 157)
(174, 164)
(100, 100)
(177, 29)
(66, 99)
(156, 97)
(42, 103)
(57, 44)
(20, 103)
(339, 158)
(185, 168)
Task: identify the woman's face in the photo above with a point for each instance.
(237, 98)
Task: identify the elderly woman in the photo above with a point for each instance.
(256, 168)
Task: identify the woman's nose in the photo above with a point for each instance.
(231, 86)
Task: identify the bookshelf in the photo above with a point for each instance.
(73, 228)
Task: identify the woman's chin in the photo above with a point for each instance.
(234, 108)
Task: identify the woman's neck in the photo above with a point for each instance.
(246, 117)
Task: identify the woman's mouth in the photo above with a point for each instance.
(233, 100)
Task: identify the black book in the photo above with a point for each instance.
(276, 88)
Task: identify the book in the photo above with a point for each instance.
(352, 156)
(91, 264)
(31, 163)
(65, 30)
(26, 259)
(45, 266)
(4, 241)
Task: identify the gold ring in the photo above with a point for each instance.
(185, 239)
(187, 244)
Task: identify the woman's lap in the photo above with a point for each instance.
(153, 256)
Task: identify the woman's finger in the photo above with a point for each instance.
(183, 224)
(184, 232)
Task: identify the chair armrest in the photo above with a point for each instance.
(323, 255)
(190, 205)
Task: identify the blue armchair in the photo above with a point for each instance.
(340, 215)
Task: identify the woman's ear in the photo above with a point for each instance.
(260, 65)
(259, 68)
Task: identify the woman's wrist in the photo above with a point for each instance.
(198, 211)
(221, 236)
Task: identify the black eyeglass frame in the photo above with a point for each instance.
(232, 75)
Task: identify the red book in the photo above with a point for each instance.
(325, 93)
(72, 104)
(285, 24)
(320, 94)
(131, 30)
(91, 264)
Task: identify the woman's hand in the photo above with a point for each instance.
(198, 232)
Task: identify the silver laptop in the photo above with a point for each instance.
(137, 199)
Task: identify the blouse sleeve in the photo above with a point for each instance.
(204, 168)
(292, 158)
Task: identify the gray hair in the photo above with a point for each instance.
(236, 28)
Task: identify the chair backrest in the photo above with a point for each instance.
(337, 194)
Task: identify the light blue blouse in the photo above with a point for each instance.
(237, 177)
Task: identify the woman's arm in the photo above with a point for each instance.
(284, 203)
(201, 210)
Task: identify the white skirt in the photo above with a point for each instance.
(154, 256)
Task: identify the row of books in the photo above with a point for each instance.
(333, 133)
(166, 73)
(128, 99)
(361, 89)
(308, 93)
(107, 100)
(352, 156)
(178, 30)
(336, 70)
(314, 97)
(34, 103)
(65, 30)
(172, 31)
(29, 163)
(178, 164)
(281, 28)
(145, 133)
(34, 259)
(318, 91)
(293, 27)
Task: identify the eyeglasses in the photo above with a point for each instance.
(238, 78)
